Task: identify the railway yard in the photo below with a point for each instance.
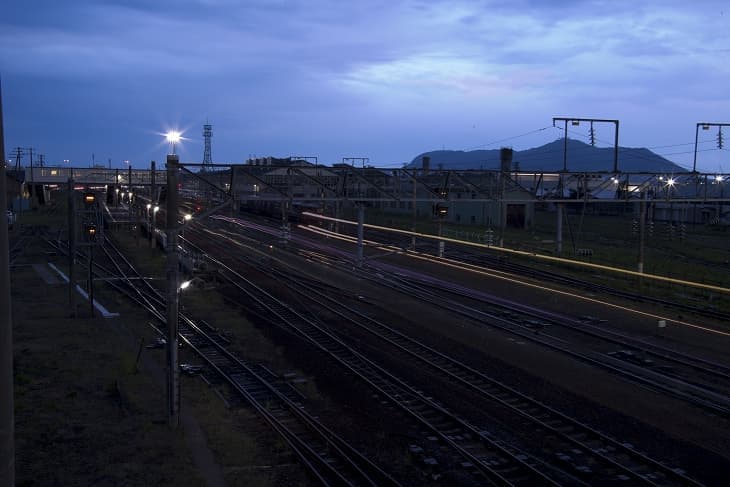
(301, 367)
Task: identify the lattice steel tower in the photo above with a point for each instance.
(207, 134)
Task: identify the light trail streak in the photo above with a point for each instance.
(535, 255)
(504, 276)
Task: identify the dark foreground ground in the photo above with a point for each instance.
(90, 407)
(90, 403)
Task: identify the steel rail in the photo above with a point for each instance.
(407, 398)
(342, 465)
(597, 443)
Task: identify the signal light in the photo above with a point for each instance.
(440, 210)
(90, 231)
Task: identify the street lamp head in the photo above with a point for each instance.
(156, 209)
(173, 138)
(149, 206)
(185, 284)
(671, 182)
(188, 217)
(719, 178)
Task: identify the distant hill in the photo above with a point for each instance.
(582, 157)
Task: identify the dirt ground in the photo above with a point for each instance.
(90, 399)
(90, 408)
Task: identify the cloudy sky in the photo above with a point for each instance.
(379, 79)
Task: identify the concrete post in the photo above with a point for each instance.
(642, 231)
(559, 231)
(173, 289)
(71, 248)
(7, 420)
(129, 190)
(153, 221)
(360, 232)
(413, 228)
(153, 188)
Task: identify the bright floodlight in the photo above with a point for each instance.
(185, 284)
(156, 209)
(670, 182)
(188, 217)
(173, 138)
(149, 206)
(718, 178)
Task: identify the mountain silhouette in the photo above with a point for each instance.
(581, 157)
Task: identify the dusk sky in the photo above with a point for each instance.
(380, 79)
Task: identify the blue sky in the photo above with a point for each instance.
(380, 79)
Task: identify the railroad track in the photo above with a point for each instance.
(481, 454)
(503, 265)
(330, 459)
(518, 320)
(594, 456)
(701, 382)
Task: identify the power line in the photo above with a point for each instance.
(508, 138)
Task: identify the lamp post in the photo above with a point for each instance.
(152, 227)
(173, 290)
(173, 138)
(186, 218)
(149, 222)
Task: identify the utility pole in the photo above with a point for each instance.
(706, 126)
(153, 189)
(413, 228)
(642, 232)
(71, 248)
(7, 420)
(173, 290)
(360, 233)
(129, 193)
(576, 121)
(91, 280)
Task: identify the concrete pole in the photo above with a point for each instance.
(642, 232)
(153, 235)
(413, 229)
(153, 189)
(71, 248)
(232, 193)
(7, 420)
(441, 242)
(173, 289)
(360, 232)
(338, 205)
(559, 231)
(91, 280)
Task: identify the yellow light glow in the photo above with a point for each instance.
(505, 276)
(534, 255)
